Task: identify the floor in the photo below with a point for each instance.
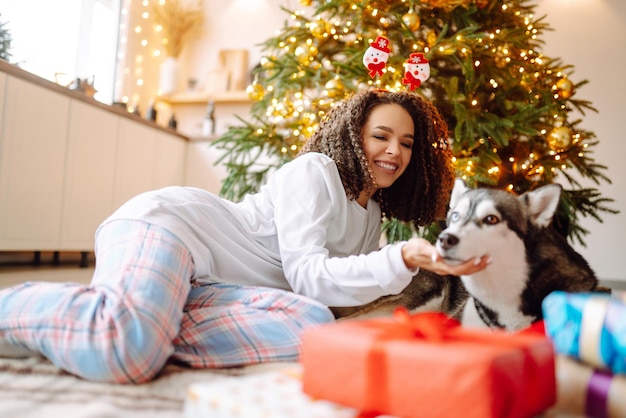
(18, 268)
(14, 275)
(67, 269)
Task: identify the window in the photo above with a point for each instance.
(65, 39)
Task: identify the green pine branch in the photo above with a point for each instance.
(5, 41)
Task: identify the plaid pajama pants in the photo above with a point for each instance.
(143, 308)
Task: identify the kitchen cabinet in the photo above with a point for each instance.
(3, 80)
(201, 168)
(89, 180)
(135, 161)
(147, 160)
(32, 165)
(67, 162)
(170, 161)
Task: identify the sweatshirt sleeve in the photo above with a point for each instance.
(309, 199)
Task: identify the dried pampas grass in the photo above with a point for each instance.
(177, 19)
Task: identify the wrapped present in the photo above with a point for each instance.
(588, 326)
(427, 365)
(275, 394)
(588, 392)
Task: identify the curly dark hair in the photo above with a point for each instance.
(420, 195)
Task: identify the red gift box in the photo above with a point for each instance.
(427, 365)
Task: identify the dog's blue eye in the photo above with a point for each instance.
(454, 216)
(491, 220)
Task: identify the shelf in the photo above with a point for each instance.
(234, 97)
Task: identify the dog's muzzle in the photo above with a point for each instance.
(447, 240)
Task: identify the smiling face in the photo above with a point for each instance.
(373, 56)
(387, 142)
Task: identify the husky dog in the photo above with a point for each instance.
(529, 260)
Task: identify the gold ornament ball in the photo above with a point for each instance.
(412, 21)
(315, 65)
(302, 55)
(267, 62)
(560, 138)
(285, 108)
(255, 91)
(431, 38)
(565, 87)
(306, 2)
(318, 28)
(334, 88)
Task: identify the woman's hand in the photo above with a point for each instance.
(419, 253)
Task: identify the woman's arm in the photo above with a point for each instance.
(310, 205)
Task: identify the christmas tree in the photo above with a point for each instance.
(513, 113)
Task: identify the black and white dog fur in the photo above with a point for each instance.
(529, 260)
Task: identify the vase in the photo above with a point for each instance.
(168, 80)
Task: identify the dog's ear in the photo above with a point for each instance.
(542, 203)
(459, 188)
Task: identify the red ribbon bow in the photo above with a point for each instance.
(432, 326)
(412, 82)
(376, 68)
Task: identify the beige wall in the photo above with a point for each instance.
(234, 24)
(591, 35)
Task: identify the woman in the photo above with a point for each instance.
(185, 275)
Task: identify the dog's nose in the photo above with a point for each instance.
(447, 240)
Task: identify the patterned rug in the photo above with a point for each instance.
(33, 387)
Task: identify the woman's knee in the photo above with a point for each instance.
(131, 350)
(123, 364)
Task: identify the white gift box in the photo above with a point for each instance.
(276, 394)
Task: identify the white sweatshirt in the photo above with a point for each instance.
(299, 232)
